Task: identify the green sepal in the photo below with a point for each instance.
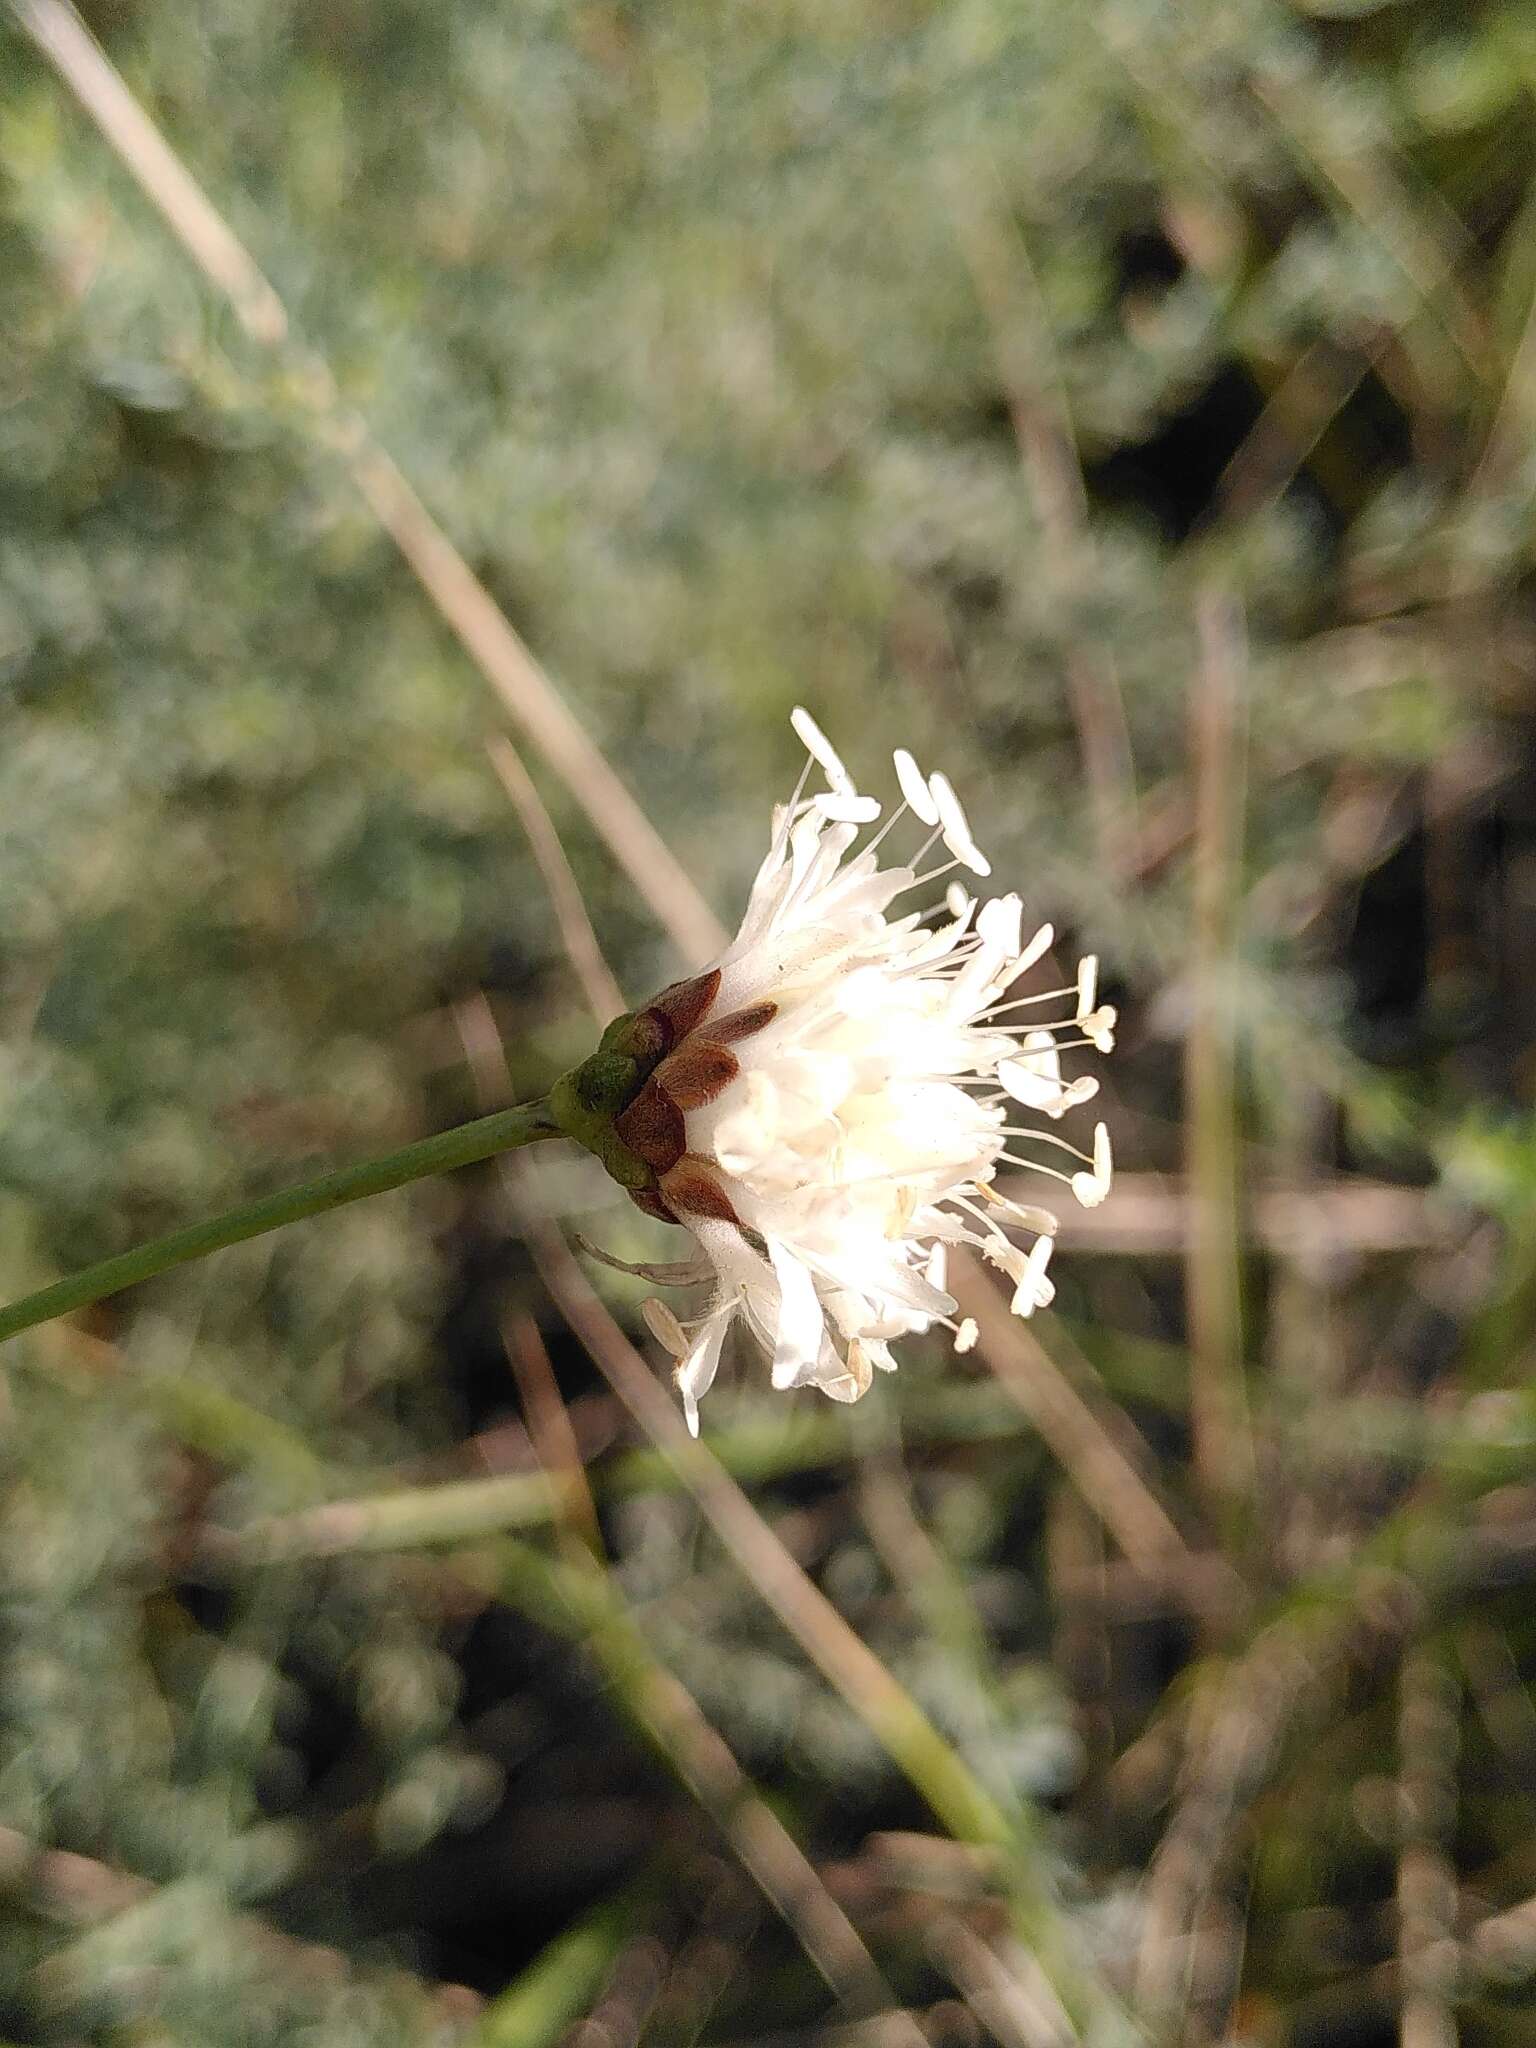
(585, 1102)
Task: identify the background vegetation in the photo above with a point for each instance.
(1129, 408)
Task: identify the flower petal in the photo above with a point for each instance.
(696, 1375)
(1000, 923)
(801, 1326)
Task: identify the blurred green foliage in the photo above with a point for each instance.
(923, 364)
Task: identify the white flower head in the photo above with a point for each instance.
(826, 1107)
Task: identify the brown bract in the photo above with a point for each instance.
(652, 1127)
(696, 1064)
(683, 1006)
(697, 1072)
(691, 1188)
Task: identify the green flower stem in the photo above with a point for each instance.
(461, 1146)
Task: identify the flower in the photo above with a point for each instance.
(827, 1106)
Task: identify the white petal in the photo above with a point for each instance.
(1025, 1083)
(696, 1375)
(1000, 923)
(957, 831)
(843, 1387)
(914, 787)
(821, 750)
(1038, 946)
(797, 1347)
(957, 901)
(748, 1131)
(1039, 1052)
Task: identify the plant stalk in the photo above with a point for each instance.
(462, 1146)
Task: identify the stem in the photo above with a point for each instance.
(461, 1146)
(1218, 1393)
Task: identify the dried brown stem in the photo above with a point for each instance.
(78, 1890)
(605, 999)
(1088, 1445)
(1008, 293)
(1233, 1740)
(934, 1769)
(1330, 1221)
(1428, 1734)
(461, 599)
(1223, 1446)
(549, 1430)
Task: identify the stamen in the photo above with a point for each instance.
(956, 827)
(822, 751)
(1048, 995)
(1034, 1166)
(989, 1223)
(932, 875)
(914, 787)
(786, 824)
(1048, 1138)
(875, 843)
(1087, 984)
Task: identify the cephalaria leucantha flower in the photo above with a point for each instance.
(827, 1107)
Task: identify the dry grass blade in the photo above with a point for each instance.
(672, 1719)
(59, 1885)
(1082, 1442)
(1015, 2005)
(1009, 297)
(1335, 1222)
(936, 1771)
(1297, 414)
(1223, 1444)
(550, 1432)
(1373, 188)
(461, 599)
(1428, 1735)
(604, 997)
(771, 1855)
(837, 1652)
(1232, 1746)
